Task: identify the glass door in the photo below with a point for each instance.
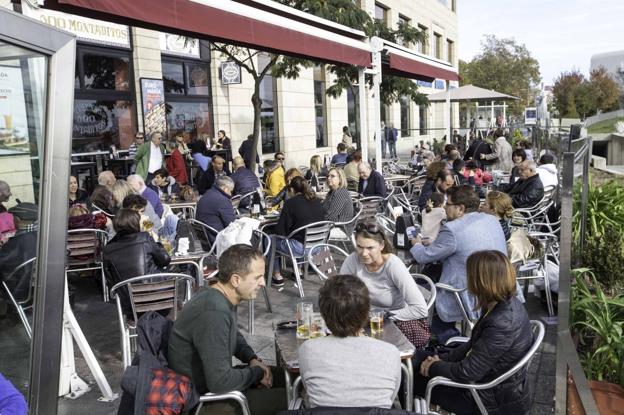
(36, 95)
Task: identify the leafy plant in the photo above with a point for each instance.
(604, 254)
(599, 324)
(605, 206)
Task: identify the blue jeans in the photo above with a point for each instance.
(392, 149)
(442, 329)
(296, 246)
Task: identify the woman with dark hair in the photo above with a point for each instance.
(500, 338)
(132, 253)
(223, 141)
(300, 209)
(331, 367)
(351, 170)
(518, 156)
(198, 152)
(102, 200)
(433, 169)
(389, 282)
(175, 163)
(347, 139)
(76, 195)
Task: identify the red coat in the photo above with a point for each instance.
(480, 176)
(177, 167)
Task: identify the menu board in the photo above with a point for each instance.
(154, 111)
(13, 117)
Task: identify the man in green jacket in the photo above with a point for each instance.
(150, 156)
(205, 336)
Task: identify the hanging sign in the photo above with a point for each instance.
(230, 73)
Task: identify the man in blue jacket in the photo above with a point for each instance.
(214, 207)
(467, 231)
(371, 182)
(244, 180)
(391, 134)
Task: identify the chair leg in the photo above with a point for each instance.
(250, 324)
(549, 302)
(271, 264)
(298, 277)
(104, 285)
(267, 301)
(20, 311)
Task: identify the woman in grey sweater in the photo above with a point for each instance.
(389, 282)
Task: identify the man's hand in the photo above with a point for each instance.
(426, 364)
(267, 379)
(416, 240)
(482, 156)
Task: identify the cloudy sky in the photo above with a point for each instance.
(560, 34)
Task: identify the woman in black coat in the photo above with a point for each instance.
(501, 338)
(131, 253)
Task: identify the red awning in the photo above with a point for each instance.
(225, 21)
(418, 68)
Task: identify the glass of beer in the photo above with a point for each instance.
(317, 326)
(304, 315)
(376, 322)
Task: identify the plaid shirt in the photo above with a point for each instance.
(168, 393)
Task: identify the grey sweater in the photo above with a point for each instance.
(391, 287)
(350, 371)
(203, 340)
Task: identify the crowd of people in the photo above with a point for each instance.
(464, 229)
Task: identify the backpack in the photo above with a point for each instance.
(184, 229)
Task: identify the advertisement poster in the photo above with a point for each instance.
(153, 99)
(13, 117)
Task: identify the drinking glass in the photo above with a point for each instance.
(304, 315)
(376, 322)
(317, 326)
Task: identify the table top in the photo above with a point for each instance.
(287, 343)
(397, 177)
(191, 256)
(181, 204)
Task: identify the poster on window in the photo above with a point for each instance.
(153, 99)
(13, 117)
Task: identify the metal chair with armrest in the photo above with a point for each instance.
(85, 249)
(21, 304)
(347, 228)
(538, 336)
(467, 323)
(322, 259)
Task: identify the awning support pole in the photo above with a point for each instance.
(377, 46)
(363, 118)
(449, 113)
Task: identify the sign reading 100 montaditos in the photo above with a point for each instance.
(91, 30)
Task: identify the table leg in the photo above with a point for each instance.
(289, 388)
(408, 384)
(250, 327)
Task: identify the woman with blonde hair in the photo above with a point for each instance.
(316, 169)
(499, 339)
(499, 204)
(121, 189)
(337, 205)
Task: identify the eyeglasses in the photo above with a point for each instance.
(368, 227)
(453, 204)
(281, 158)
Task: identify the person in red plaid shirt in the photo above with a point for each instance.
(205, 336)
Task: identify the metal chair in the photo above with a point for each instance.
(538, 336)
(235, 200)
(387, 224)
(347, 228)
(315, 233)
(147, 293)
(246, 196)
(370, 206)
(21, 304)
(237, 396)
(322, 259)
(467, 323)
(431, 290)
(206, 234)
(85, 253)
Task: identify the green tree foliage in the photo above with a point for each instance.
(576, 96)
(504, 66)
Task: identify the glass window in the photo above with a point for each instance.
(100, 123)
(197, 75)
(191, 118)
(319, 106)
(173, 77)
(438, 45)
(405, 116)
(422, 115)
(353, 114)
(422, 46)
(268, 115)
(106, 72)
(381, 12)
(450, 50)
(23, 75)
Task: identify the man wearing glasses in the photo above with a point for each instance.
(280, 157)
(467, 231)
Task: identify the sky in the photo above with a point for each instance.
(560, 34)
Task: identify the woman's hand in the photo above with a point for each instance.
(426, 364)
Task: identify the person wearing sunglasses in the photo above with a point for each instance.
(280, 158)
(389, 283)
(466, 231)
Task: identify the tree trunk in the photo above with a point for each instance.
(356, 106)
(257, 106)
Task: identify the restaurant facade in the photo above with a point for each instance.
(122, 70)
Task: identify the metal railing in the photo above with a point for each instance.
(571, 383)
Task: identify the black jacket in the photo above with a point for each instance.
(207, 179)
(526, 193)
(499, 340)
(298, 212)
(245, 181)
(245, 151)
(376, 185)
(133, 255)
(428, 188)
(475, 150)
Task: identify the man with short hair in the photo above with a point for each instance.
(466, 231)
(205, 336)
(139, 140)
(280, 158)
(371, 182)
(214, 207)
(332, 367)
(163, 184)
(5, 194)
(150, 157)
(341, 157)
(244, 180)
(245, 150)
(391, 135)
(547, 171)
(528, 190)
(216, 169)
(138, 184)
(107, 178)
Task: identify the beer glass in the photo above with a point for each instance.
(304, 315)
(317, 326)
(376, 322)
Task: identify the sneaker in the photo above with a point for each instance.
(277, 282)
